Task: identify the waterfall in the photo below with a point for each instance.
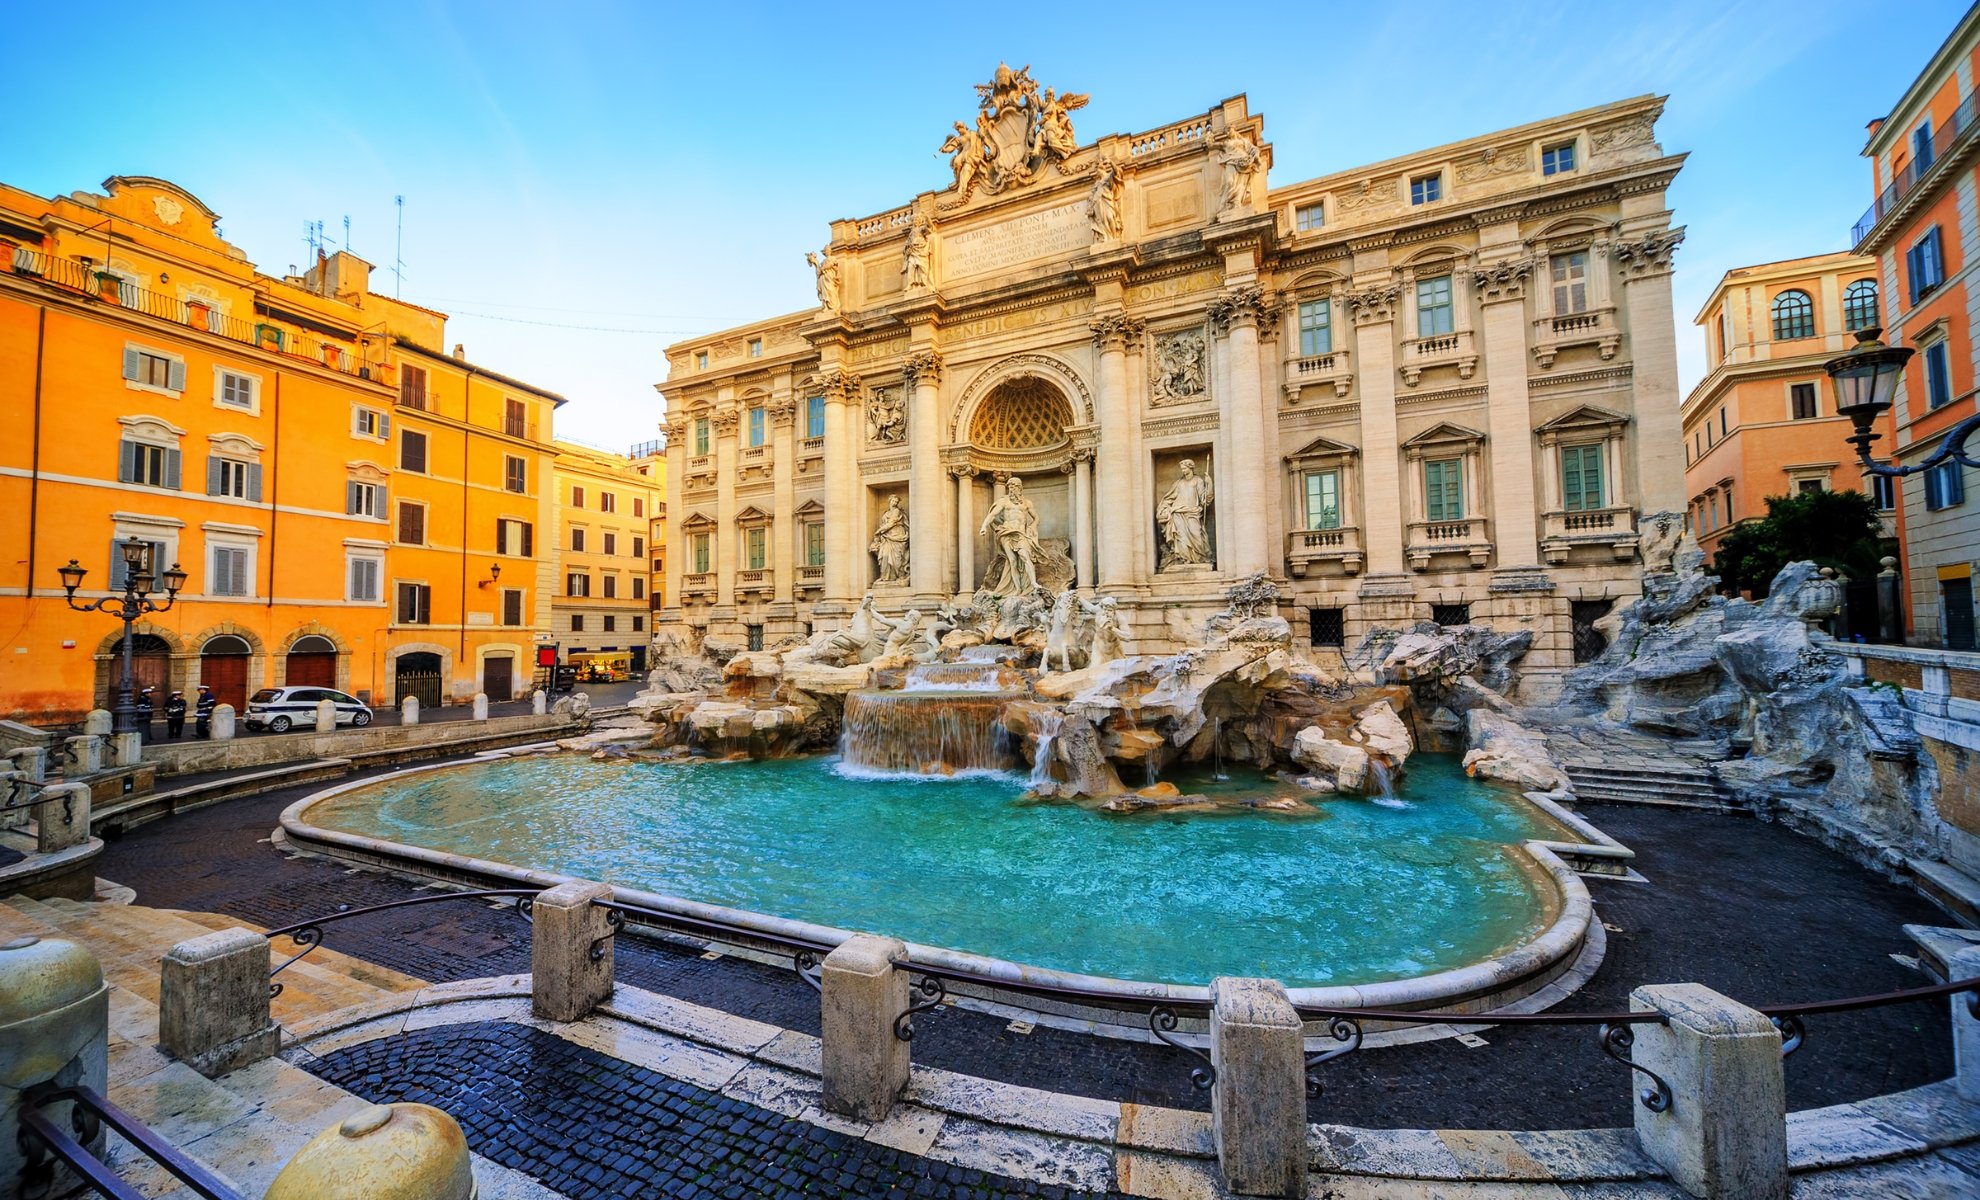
(961, 677)
(1382, 784)
(924, 733)
(1048, 722)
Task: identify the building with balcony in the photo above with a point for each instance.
(1441, 387)
(606, 502)
(1925, 167)
(1763, 422)
(334, 486)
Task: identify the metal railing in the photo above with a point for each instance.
(47, 1143)
(1944, 139)
(309, 934)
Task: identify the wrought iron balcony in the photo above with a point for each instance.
(1944, 140)
(1308, 551)
(1456, 349)
(1596, 327)
(1465, 535)
(1561, 532)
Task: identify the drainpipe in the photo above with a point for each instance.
(274, 468)
(34, 464)
(467, 436)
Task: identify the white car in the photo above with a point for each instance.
(282, 709)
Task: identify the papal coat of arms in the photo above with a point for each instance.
(1017, 132)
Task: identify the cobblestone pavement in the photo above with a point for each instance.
(1749, 908)
(589, 1125)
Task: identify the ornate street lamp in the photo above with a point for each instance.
(134, 603)
(1866, 382)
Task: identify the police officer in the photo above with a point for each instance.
(175, 716)
(144, 711)
(203, 711)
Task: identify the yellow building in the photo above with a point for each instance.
(606, 504)
(254, 430)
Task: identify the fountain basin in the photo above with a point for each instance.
(1457, 900)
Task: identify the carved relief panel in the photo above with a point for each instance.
(1179, 368)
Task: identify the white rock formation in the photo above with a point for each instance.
(1343, 766)
(1383, 732)
(1504, 750)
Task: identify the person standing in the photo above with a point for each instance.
(203, 711)
(175, 716)
(144, 712)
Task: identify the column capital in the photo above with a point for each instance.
(1116, 331)
(675, 428)
(1375, 304)
(1647, 256)
(1505, 280)
(840, 387)
(925, 367)
(726, 418)
(960, 471)
(1241, 305)
(783, 412)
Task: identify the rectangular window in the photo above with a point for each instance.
(814, 544)
(1925, 263)
(611, 582)
(154, 555)
(1443, 489)
(142, 462)
(1433, 307)
(515, 537)
(577, 496)
(611, 545)
(758, 428)
(754, 540)
(1425, 188)
(639, 509)
(412, 524)
(1323, 499)
(412, 386)
(1883, 493)
(236, 391)
(229, 572)
(577, 540)
(814, 417)
(362, 577)
(1945, 486)
(1725, 334)
(1570, 280)
(611, 624)
(1938, 376)
(700, 551)
(577, 622)
(1316, 328)
(607, 502)
(415, 604)
(1581, 478)
(753, 635)
(369, 422)
(148, 368)
(364, 500)
(1801, 398)
(1451, 614)
(701, 361)
(639, 624)
(1921, 147)
(638, 546)
(1555, 160)
(412, 451)
(515, 473)
(701, 437)
(1326, 626)
(1805, 486)
(1309, 216)
(756, 347)
(1724, 428)
(515, 418)
(233, 478)
(577, 583)
(512, 606)
(639, 588)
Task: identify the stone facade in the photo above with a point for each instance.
(606, 505)
(1375, 377)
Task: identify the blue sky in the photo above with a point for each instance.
(650, 172)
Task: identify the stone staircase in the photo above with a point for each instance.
(1625, 768)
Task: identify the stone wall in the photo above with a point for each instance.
(1941, 691)
(195, 757)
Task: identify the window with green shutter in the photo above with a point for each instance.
(1443, 489)
(1581, 478)
(1316, 333)
(1323, 499)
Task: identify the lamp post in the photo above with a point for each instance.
(1865, 380)
(134, 603)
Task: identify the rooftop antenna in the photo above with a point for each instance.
(347, 232)
(313, 234)
(398, 248)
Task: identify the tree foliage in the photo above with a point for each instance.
(1832, 529)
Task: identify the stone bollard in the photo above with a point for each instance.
(566, 981)
(62, 817)
(99, 722)
(126, 749)
(31, 762)
(385, 1152)
(54, 1028)
(213, 1002)
(1725, 1132)
(539, 703)
(326, 716)
(865, 1066)
(1258, 1103)
(84, 754)
(409, 711)
(1965, 964)
(481, 706)
(223, 722)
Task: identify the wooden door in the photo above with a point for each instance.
(498, 675)
(313, 670)
(226, 674)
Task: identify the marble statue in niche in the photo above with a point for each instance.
(890, 543)
(1012, 524)
(1179, 368)
(886, 417)
(1183, 514)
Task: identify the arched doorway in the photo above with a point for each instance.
(312, 663)
(417, 673)
(151, 666)
(1020, 439)
(223, 667)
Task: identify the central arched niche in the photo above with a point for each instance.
(1023, 413)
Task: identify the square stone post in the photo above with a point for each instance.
(1725, 1132)
(126, 749)
(31, 761)
(213, 1002)
(326, 716)
(223, 723)
(62, 817)
(1965, 964)
(84, 753)
(864, 1064)
(566, 981)
(481, 706)
(409, 711)
(1258, 1104)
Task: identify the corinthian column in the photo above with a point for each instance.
(1114, 472)
(727, 556)
(783, 535)
(1083, 518)
(1658, 446)
(841, 480)
(927, 555)
(1515, 525)
(675, 552)
(1374, 312)
(965, 528)
(1241, 482)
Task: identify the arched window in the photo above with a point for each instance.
(1860, 305)
(1794, 316)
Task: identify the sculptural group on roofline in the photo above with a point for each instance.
(1018, 131)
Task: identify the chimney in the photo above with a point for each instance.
(460, 352)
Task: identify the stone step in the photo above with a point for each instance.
(1637, 778)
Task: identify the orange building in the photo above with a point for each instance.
(254, 430)
(1921, 225)
(1763, 421)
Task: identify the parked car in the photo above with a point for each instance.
(282, 709)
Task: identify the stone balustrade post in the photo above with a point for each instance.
(865, 1066)
(481, 706)
(409, 711)
(566, 981)
(326, 716)
(213, 1002)
(62, 817)
(84, 754)
(99, 722)
(126, 749)
(1965, 964)
(31, 762)
(223, 723)
(1724, 1134)
(1258, 1102)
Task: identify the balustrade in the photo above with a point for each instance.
(1464, 535)
(1309, 549)
(1561, 531)
(1595, 327)
(1456, 349)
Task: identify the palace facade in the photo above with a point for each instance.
(1441, 387)
(606, 505)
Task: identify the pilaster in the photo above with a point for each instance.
(1373, 310)
(724, 554)
(1515, 527)
(1658, 443)
(783, 485)
(1115, 466)
(1241, 482)
(841, 392)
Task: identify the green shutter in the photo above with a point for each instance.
(1581, 478)
(1443, 490)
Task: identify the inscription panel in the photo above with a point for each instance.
(1174, 203)
(1043, 234)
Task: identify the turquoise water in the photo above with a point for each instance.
(1361, 891)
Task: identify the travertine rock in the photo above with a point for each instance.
(1338, 764)
(1383, 732)
(1504, 750)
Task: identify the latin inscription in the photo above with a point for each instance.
(1024, 318)
(1020, 239)
(1162, 289)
